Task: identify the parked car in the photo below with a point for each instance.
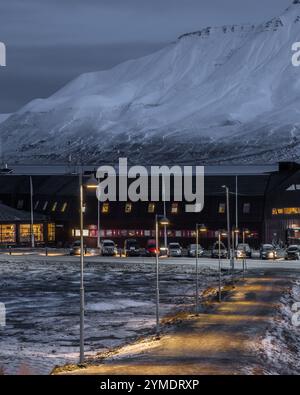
(131, 248)
(174, 249)
(108, 248)
(292, 253)
(75, 248)
(151, 247)
(243, 250)
(192, 250)
(268, 251)
(216, 249)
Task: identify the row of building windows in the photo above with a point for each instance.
(43, 206)
(246, 208)
(105, 209)
(286, 211)
(8, 233)
(174, 208)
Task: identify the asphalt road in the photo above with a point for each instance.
(203, 262)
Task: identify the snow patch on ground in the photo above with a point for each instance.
(280, 348)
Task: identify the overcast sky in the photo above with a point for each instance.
(49, 42)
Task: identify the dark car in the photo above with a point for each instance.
(76, 248)
(243, 250)
(268, 251)
(292, 253)
(131, 248)
(216, 249)
(192, 250)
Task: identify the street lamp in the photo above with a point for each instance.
(92, 183)
(245, 232)
(221, 233)
(199, 228)
(162, 221)
(235, 232)
(228, 225)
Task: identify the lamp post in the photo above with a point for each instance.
(228, 226)
(199, 228)
(235, 232)
(245, 232)
(220, 234)
(163, 221)
(91, 184)
(31, 212)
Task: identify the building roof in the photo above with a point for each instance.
(10, 214)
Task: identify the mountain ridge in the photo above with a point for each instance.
(211, 97)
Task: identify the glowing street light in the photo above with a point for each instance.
(203, 229)
(221, 233)
(228, 225)
(160, 220)
(92, 183)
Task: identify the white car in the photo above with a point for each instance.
(108, 248)
(175, 249)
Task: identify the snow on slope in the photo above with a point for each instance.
(227, 94)
(3, 117)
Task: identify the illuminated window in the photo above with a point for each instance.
(54, 206)
(222, 208)
(291, 210)
(51, 232)
(37, 231)
(128, 208)
(20, 204)
(246, 208)
(36, 205)
(286, 211)
(45, 205)
(151, 208)
(64, 207)
(174, 208)
(105, 208)
(7, 233)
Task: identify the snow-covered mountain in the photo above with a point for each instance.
(226, 94)
(3, 117)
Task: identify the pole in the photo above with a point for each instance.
(228, 226)
(98, 225)
(232, 251)
(197, 270)
(81, 358)
(157, 279)
(236, 211)
(220, 280)
(165, 214)
(31, 213)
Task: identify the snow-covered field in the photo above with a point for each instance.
(280, 348)
(42, 302)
